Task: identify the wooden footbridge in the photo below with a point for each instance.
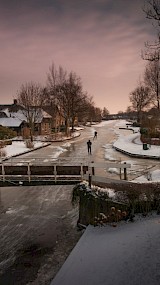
(60, 170)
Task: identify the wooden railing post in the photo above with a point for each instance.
(55, 173)
(90, 180)
(125, 172)
(81, 171)
(120, 171)
(3, 172)
(93, 170)
(29, 173)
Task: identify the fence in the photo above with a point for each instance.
(58, 170)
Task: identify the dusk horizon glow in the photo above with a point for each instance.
(100, 40)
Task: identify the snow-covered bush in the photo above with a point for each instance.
(29, 144)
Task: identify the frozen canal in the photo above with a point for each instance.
(75, 150)
(37, 232)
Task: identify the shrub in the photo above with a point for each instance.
(136, 124)
(29, 144)
(153, 134)
(95, 207)
(143, 131)
(8, 142)
(2, 153)
(6, 133)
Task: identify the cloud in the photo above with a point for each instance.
(101, 40)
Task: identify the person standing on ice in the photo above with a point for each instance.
(95, 135)
(89, 145)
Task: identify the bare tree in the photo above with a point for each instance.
(152, 81)
(31, 97)
(105, 112)
(140, 99)
(89, 109)
(77, 96)
(98, 114)
(58, 94)
(55, 78)
(129, 109)
(63, 98)
(152, 11)
(70, 98)
(67, 92)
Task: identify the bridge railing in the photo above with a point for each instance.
(57, 170)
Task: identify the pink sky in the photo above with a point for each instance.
(100, 40)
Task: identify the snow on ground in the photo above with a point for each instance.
(110, 192)
(104, 123)
(101, 124)
(20, 147)
(75, 134)
(151, 176)
(109, 152)
(131, 143)
(67, 144)
(113, 170)
(59, 150)
(125, 254)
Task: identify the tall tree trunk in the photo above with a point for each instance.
(67, 127)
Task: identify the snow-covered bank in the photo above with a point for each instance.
(132, 145)
(128, 144)
(17, 148)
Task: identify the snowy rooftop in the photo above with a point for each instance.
(10, 122)
(21, 115)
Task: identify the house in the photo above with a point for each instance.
(43, 123)
(57, 121)
(9, 118)
(13, 123)
(16, 117)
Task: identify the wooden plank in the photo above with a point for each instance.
(109, 164)
(100, 179)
